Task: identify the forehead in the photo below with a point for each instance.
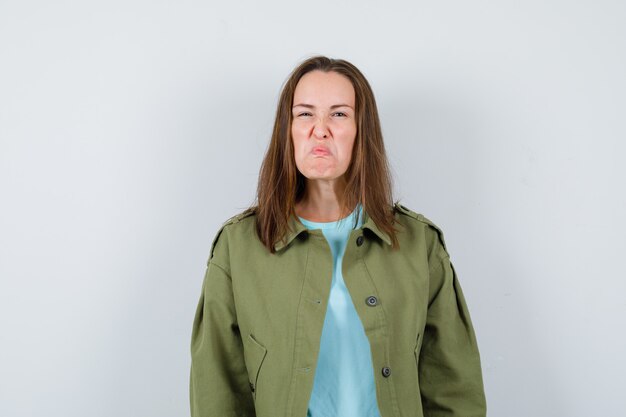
(324, 88)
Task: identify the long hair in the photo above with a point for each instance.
(368, 180)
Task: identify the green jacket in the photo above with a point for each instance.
(257, 327)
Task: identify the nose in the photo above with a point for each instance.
(321, 130)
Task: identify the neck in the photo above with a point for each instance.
(321, 201)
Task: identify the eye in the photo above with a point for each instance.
(340, 114)
(305, 113)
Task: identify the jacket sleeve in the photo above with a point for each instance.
(218, 379)
(451, 383)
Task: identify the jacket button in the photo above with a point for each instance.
(371, 300)
(386, 371)
(359, 240)
(251, 386)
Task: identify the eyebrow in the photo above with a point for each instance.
(310, 106)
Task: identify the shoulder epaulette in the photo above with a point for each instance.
(404, 210)
(236, 218)
(423, 219)
(247, 212)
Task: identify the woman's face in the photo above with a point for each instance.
(324, 125)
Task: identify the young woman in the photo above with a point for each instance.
(326, 298)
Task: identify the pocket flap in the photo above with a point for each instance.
(254, 353)
(417, 349)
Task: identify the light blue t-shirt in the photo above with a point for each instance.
(344, 383)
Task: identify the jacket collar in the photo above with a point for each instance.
(296, 227)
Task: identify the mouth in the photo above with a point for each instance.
(320, 150)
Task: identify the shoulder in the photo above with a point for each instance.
(241, 218)
(419, 220)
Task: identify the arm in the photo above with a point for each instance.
(449, 365)
(218, 379)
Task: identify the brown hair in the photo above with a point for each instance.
(368, 180)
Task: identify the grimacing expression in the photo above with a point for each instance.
(323, 125)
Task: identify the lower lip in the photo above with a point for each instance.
(320, 152)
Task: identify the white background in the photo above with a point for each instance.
(130, 130)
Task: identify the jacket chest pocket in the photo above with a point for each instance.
(254, 355)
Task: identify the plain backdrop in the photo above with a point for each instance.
(130, 130)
